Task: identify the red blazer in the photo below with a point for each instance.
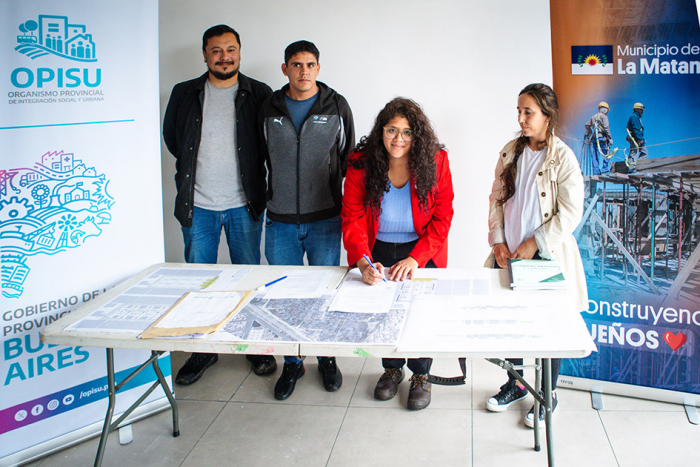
(432, 225)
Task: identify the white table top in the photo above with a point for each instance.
(577, 342)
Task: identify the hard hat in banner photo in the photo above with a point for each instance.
(604, 104)
(638, 105)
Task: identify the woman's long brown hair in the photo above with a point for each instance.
(547, 101)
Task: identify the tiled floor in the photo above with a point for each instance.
(230, 418)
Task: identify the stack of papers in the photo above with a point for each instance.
(198, 313)
(536, 274)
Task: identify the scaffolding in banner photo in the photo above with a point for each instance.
(642, 230)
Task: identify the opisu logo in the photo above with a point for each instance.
(54, 35)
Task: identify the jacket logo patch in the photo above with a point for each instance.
(318, 119)
(277, 120)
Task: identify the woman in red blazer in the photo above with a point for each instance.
(397, 211)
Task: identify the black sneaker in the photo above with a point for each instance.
(330, 373)
(263, 365)
(194, 367)
(530, 417)
(291, 372)
(509, 393)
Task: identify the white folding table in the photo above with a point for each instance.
(578, 343)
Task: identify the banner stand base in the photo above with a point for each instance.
(689, 400)
(597, 400)
(692, 412)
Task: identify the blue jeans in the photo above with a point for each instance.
(242, 235)
(285, 245)
(600, 163)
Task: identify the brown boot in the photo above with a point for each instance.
(388, 384)
(419, 394)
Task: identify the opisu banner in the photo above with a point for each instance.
(80, 199)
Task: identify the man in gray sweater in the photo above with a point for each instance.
(211, 127)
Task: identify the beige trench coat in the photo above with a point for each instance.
(560, 185)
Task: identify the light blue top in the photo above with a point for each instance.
(396, 219)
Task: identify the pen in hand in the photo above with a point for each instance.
(372, 264)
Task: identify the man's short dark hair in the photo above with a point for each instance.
(219, 30)
(301, 46)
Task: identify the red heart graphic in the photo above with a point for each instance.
(675, 341)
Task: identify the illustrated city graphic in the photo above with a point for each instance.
(54, 35)
(47, 209)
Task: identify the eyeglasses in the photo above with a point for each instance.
(391, 132)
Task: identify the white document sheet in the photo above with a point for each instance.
(474, 281)
(355, 296)
(493, 324)
(201, 309)
(310, 283)
(228, 279)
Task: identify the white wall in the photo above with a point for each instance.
(463, 61)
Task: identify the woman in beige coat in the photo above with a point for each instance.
(536, 203)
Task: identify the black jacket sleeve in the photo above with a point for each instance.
(348, 143)
(169, 131)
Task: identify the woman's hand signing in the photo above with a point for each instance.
(370, 276)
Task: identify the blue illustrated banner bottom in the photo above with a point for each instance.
(72, 398)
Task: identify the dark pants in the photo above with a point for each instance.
(389, 254)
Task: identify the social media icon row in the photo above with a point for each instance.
(39, 409)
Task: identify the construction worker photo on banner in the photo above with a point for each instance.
(600, 139)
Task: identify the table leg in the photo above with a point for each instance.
(168, 394)
(547, 368)
(536, 407)
(110, 408)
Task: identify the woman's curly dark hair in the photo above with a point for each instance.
(421, 155)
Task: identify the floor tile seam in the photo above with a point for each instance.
(471, 406)
(241, 384)
(198, 401)
(639, 411)
(404, 409)
(202, 400)
(357, 382)
(347, 408)
(607, 436)
(287, 404)
(204, 433)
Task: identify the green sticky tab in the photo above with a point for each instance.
(361, 353)
(240, 348)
